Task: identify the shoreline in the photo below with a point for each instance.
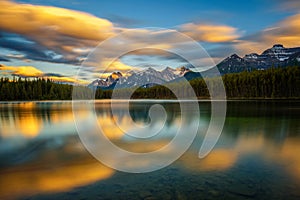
(144, 99)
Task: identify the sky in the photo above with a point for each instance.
(77, 41)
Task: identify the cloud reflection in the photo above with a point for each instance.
(62, 174)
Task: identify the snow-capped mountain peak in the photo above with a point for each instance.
(277, 55)
(135, 77)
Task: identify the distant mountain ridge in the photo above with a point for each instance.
(276, 56)
(139, 78)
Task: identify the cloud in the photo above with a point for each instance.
(286, 32)
(22, 71)
(32, 72)
(210, 33)
(59, 35)
(162, 43)
(51, 28)
(67, 80)
(287, 5)
(16, 56)
(31, 50)
(66, 36)
(2, 58)
(28, 19)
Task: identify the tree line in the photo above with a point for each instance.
(36, 89)
(271, 83)
(259, 84)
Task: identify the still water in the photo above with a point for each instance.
(256, 157)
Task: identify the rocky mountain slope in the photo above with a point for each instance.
(277, 56)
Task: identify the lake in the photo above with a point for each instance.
(256, 157)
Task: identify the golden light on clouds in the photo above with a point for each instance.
(29, 71)
(48, 22)
(115, 65)
(68, 80)
(26, 71)
(209, 32)
(286, 32)
(107, 66)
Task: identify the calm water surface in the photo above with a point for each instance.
(256, 157)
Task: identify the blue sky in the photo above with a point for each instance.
(39, 34)
(250, 15)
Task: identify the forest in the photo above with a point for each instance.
(276, 83)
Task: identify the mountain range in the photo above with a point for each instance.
(277, 56)
(139, 78)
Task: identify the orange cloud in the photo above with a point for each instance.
(116, 65)
(68, 80)
(29, 71)
(48, 22)
(286, 32)
(68, 33)
(210, 33)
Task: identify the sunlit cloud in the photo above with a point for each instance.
(62, 35)
(50, 22)
(22, 71)
(68, 80)
(116, 65)
(286, 32)
(209, 32)
(32, 72)
(54, 27)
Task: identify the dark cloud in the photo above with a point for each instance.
(145, 55)
(4, 59)
(53, 74)
(50, 33)
(32, 50)
(221, 51)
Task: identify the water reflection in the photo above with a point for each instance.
(31, 119)
(288, 156)
(70, 167)
(40, 151)
(25, 122)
